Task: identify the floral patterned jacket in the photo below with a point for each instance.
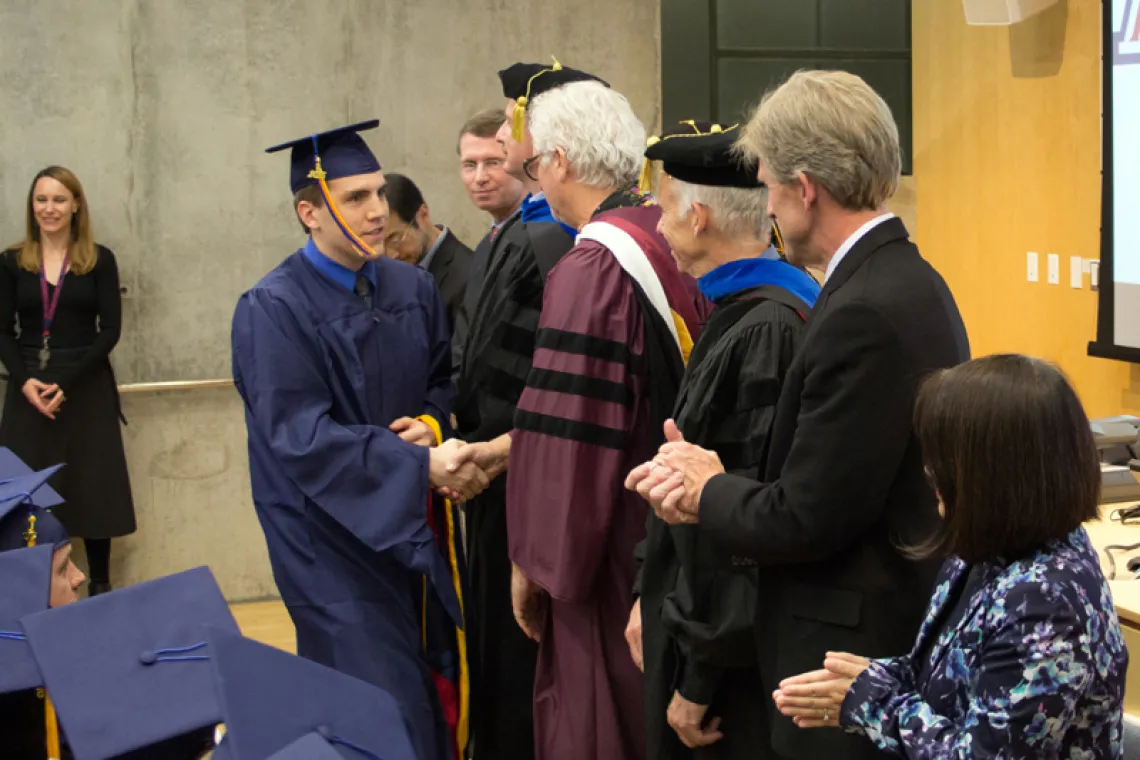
(1035, 668)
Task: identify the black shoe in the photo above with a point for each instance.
(98, 587)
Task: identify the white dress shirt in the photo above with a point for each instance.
(850, 242)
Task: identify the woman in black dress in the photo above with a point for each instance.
(60, 315)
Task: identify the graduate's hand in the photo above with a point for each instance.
(464, 483)
(490, 456)
(413, 431)
(815, 699)
(34, 391)
(633, 636)
(529, 601)
(688, 720)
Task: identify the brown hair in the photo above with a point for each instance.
(483, 124)
(311, 194)
(81, 252)
(1008, 447)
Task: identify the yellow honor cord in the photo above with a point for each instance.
(462, 728)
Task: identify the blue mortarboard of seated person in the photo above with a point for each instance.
(25, 590)
(129, 671)
(276, 704)
(343, 153)
(25, 501)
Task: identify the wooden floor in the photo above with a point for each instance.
(267, 622)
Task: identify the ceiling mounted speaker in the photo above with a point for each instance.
(1002, 12)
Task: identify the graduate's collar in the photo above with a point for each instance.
(338, 273)
(744, 274)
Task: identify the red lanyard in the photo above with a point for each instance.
(50, 305)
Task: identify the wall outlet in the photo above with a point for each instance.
(1076, 272)
(1031, 266)
(1054, 269)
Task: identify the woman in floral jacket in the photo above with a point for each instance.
(1021, 654)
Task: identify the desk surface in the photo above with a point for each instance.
(1108, 532)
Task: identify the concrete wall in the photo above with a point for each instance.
(163, 109)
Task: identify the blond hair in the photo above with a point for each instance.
(81, 252)
(834, 128)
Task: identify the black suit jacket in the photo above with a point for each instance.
(844, 482)
(451, 266)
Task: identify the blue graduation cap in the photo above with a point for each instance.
(25, 498)
(334, 154)
(274, 702)
(129, 670)
(339, 152)
(26, 589)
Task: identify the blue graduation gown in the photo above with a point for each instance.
(342, 500)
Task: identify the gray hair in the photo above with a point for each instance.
(603, 139)
(834, 128)
(736, 211)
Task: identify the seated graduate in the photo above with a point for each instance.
(693, 619)
(1021, 653)
(129, 671)
(37, 573)
(276, 705)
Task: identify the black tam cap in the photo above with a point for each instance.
(525, 81)
(340, 152)
(701, 153)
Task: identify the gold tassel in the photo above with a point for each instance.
(777, 239)
(518, 115)
(51, 729)
(30, 533)
(645, 183)
(518, 119)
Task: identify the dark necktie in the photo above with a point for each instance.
(364, 289)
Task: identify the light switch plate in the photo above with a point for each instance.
(1054, 269)
(1031, 266)
(1076, 273)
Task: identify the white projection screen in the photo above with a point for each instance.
(1118, 317)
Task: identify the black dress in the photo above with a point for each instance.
(85, 433)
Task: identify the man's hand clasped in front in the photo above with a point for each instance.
(672, 483)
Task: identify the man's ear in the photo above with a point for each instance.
(423, 217)
(699, 214)
(307, 213)
(809, 190)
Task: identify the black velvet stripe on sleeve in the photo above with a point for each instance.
(571, 430)
(585, 345)
(594, 388)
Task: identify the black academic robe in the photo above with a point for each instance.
(500, 346)
(843, 487)
(697, 607)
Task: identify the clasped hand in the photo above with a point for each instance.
(47, 399)
(672, 483)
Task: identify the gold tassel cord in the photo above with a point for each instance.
(518, 115)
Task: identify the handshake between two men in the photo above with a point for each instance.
(458, 471)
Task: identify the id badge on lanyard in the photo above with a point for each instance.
(50, 306)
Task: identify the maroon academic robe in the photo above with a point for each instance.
(590, 413)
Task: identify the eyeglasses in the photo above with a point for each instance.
(397, 237)
(528, 164)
